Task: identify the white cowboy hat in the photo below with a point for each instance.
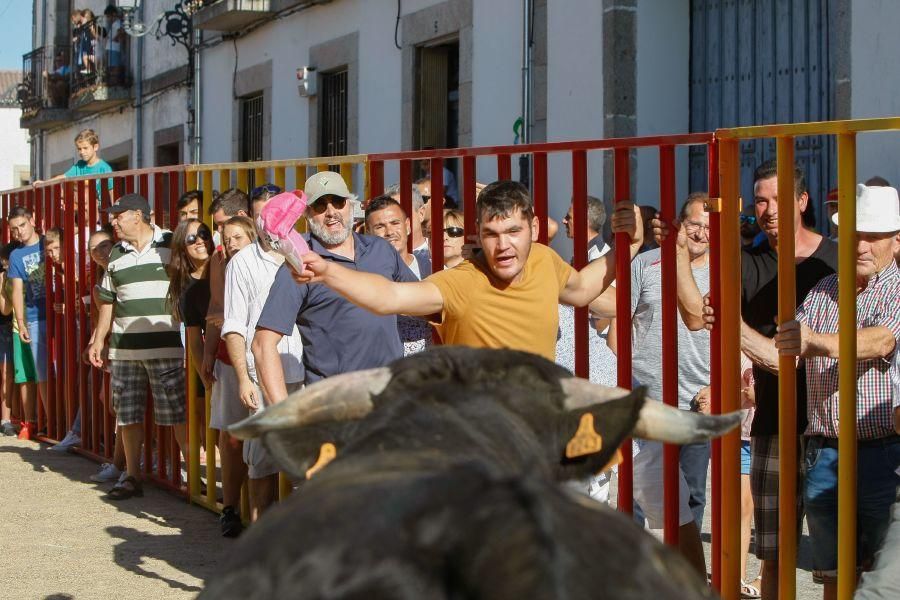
(877, 209)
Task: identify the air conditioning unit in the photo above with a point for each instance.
(306, 77)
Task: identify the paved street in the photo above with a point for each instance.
(60, 539)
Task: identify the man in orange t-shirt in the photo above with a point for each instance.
(506, 296)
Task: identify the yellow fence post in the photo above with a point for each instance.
(846, 158)
(787, 376)
(193, 432)
(190, 180)
(224, 179)
(280, 179)
(730, 173)
(243, 178)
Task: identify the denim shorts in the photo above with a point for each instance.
(876, 486)
(745, 457)
(38, 332)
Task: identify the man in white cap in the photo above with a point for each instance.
(814, 337)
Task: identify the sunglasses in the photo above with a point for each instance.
(268, 188)
(454, 232)
(748, 219)
(202, 234)
(425, 198)
(321, 205)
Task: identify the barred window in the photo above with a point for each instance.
(251, 146)
(333, 114)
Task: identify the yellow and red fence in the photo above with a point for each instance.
(75, 385)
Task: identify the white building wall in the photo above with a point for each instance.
(14, 151)
(663, 93)
(574, 99)
(874, 81)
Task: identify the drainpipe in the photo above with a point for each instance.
(194, 103)
(139, 97)
(39, 139)
(524, 160)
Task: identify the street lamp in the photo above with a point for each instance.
(174, 24)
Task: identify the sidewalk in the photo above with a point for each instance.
(61, 539)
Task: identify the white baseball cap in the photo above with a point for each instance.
(877, 209)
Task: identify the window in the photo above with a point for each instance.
(437, 96)
(333, 115)
(251, 140)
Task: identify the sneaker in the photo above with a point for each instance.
(108, 472)
(230, 522)
(27, 431)
(71, 440)
(7, 428)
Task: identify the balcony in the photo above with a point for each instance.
(99, 77)
(231, 15)
(44, 91)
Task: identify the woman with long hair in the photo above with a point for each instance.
(188, 296)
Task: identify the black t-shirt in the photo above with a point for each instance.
(759, 307)
(194, 303)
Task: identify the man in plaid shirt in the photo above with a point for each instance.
(814, 338)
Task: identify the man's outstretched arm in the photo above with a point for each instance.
(372, 291)
(591, 281)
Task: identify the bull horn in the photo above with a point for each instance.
(581, 393)
(662, 423)
(656, 421)
(346, 397)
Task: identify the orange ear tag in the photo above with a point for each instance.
(327, 452)
(586, 440)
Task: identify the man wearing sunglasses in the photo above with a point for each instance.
(337, 336)
(506, 296)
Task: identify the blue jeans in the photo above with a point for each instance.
(38, 332)
(876, 485)
(694, 461)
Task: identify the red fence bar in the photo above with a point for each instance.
(47, 418)
(376, 178)
(539, 193)
(406, 196)
(437, 213)
(68, 368)
(468, 195)
(669, 340)
(579, 256)
(504, 166)
(622, 165)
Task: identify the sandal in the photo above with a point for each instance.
(125, 489)
(749, 590)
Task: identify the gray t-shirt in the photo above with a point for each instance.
(646, 310)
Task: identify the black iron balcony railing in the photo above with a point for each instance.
(45, 79)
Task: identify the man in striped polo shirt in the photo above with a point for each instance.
(145, 345)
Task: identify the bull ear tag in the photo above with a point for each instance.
(327, 452)
(586, 440)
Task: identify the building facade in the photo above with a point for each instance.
(15, 155)
(291, 78)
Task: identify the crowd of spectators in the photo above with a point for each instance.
(257, 329)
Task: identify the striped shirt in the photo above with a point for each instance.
(877, 305)
(137, 282)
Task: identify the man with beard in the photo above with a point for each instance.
(338, 336)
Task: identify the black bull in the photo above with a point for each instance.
(445, 486)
